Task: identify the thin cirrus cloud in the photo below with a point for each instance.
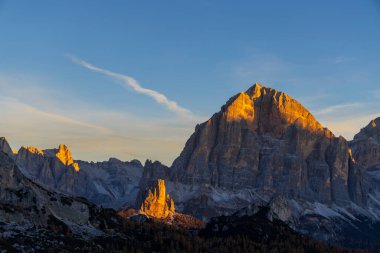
(337, 108)
(130, 82)
(38, 116)
(346, 119)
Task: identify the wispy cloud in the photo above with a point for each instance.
(346, 119)
(349, 126)
(91, 133)
(337, 108)
(342, 59)
(130, 82)
(45, 116)
(35, 112)
(376, 94)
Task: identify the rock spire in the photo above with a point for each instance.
(64, 155)
(158, 204)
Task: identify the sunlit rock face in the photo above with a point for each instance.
(263, 139)
(64, 155)
(111, 183)
(265, 148)
(366, 145)
(158, 204)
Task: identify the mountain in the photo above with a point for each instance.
(264, 147)
(366, 152)
(4, 147)
(33, 218)
(366, 145)
(112, 183)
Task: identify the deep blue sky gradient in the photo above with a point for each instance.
(198, 53)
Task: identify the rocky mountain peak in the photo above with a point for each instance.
(33, 150)
(268, 110)
(28, 155)
(375, 122)
(4, 147)
(64, 155)
(265, 140)
(366, 144)
(158, 204)
(372, 130)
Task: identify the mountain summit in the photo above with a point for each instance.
(366, 144)
(264, 147)
(64, 155)
(4, 147)
(264, 139)
(266, 110)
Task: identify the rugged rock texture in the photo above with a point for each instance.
(263, 139)
(4, 147)
(25, 202)
(265, 148)
(366, 152)
(111, 183)
(366, 145)
(154, 171)
(64, 155)
(158, 204)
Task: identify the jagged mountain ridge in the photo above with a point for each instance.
(262, 147)
(26, 206)
(265, 147)
(366, 152)
(35, 219)
(366, 145)
(111, 183)
(264, 139)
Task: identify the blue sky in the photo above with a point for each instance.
(195, 53)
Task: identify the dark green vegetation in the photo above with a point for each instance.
(223, 234)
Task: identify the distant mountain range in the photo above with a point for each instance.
(262, 149)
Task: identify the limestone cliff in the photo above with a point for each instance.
(265, 140)
(158, 204)
(4, 147)
(23, 201)
(366, 145)
(111, 183)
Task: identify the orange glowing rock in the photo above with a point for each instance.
(64, 155)
(158, 204)
(34, 150)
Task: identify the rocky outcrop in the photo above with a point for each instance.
(64, 155)
(366, 153)
(263, 139)
(4, 147)
(158, 204)
(111, 183)
(154, 170)
(25, 202)
(366, 145)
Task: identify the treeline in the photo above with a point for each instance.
(263, 236)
